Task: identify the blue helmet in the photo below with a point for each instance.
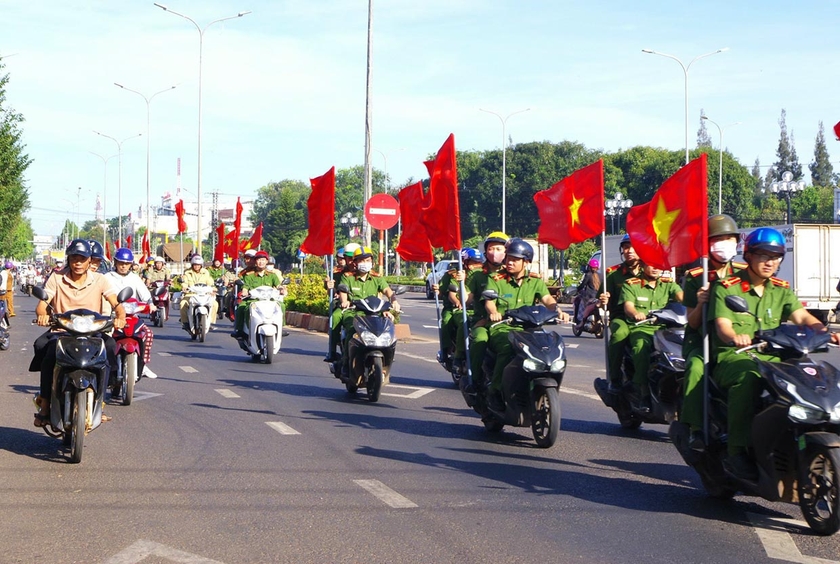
(765, 239)
(470, 254)
(625, 239)
(96, 250)
(79, 247)
(124, 255)
(518, 248)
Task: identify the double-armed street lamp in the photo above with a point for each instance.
(720, 150)
(504, 150)
(119, 179)
(685, 69)
(200, 56)
(148, 101)
(617, 206)
(349, 221)
(785, 189)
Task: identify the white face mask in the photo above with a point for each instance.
(364, 267)
(724, 251)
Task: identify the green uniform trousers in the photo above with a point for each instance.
(335, 326)
(692, 407)
(641, 345)
(619, 331)
(479, 336)
(500, 344)
(447, 331)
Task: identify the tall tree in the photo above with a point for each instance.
(14, 197)
(785, 154)
(758, 186)
(822, 173)
(703, 138)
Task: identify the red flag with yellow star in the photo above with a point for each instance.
(572, 210)
(672, 229)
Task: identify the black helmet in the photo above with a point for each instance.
(78, 247)
(96, 250)
(518, 248)
(722, 224)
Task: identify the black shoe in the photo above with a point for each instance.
(284, 333)
(696, 442)
(742, 466)
(238, 335)
(640, 402)
(332, 357)
(185, 326)
(614, 387)
(495, 401)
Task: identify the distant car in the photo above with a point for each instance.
(435, 275)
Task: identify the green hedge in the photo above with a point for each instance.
(307, 294)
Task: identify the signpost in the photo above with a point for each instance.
(382, 212)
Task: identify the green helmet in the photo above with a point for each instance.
(350, 248)
(722, 224)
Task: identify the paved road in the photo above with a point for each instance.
(224, 460)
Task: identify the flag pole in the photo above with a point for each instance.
(705, 354)
(331, 345)
(603, 271)
(463, 295)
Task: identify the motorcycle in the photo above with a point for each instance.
(160, 297)
(80, 376)
(664, 378)
(5, 340)
(198, 310)
(531, 380)
(591, 318)
(27, 282)
(372, 346)
(221, 297)
(794, 432)
(265, 328)
(129, 351)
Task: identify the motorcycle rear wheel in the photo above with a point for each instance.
(545, 421)
(269, 349)
(77, 431)
(5, 342)
(577, 330)
(629, 422)
(819, 488)
(375, 379)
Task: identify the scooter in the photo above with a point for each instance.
(198, 310)
(129, 351)
(5, 339)
(591, 319)
(530, 382)
(265, 327)
(221, 297)
(160, 296)
(81, 374)
(794, 433)
(372, 346)
(664, 379)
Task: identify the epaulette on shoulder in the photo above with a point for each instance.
(613, 268)
(779, 282)
(374, 274)
(731, 281)
(534, 275)
(499, 276)
(633, 280)
(739, 265)
(666, 279)
(694, 272)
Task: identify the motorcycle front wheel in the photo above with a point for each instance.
(374, 382)
(269, 349)
(77, 431)
(130, 373)
(545, 421)
(819, 481)
(199, 326)
(577, 330)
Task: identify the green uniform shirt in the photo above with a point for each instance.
(692, 283)
(513, 294)
(445, 282)
(616, 277)
(360, 289)
(216, 273)
(476, 283)
(256, 279)
(772, 308)
(646, 297)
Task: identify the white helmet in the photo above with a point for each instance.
(196, 260)
(158, 259)
(250, 252)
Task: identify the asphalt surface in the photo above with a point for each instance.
(225, 460)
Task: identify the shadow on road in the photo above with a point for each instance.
(32, 443)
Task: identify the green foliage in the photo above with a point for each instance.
(14, 197)
(307, 294)
(822, 173)
(577, 255)
(786, 155)
(18, 244)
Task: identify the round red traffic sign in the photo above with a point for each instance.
(382, 211)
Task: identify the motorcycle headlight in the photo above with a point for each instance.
(677, 362)
(371, 340)
(266, 309)
(531, 365)
(82, 323)
(801, 413)
(835, 414)
(558, 365)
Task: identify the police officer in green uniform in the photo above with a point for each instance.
(344, 265)
(772, 301)
(362, 283)
(619, 330)
(451, 317)
(516, 287)
(216, 270)
(494, 256)
(649, 291)
(255, 278)
(723, 244)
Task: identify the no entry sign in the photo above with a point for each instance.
(382, 211)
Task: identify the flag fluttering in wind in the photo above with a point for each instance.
(441, 213)
(414, 245)
(231, 245)
(146, 248)
(837, 130)
(255, 240)
(320, 239)
(237, 227)
(219, 251)
(572, 210)
(179, 211)
(128, 241)
(672, 229)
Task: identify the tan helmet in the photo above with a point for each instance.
(722, 224)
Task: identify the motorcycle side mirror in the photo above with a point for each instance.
(287, 281)
(40, 293)
(239, 283)
(490, 295)
(453, 288)
(399, 290)
(737, 304)
(159, 291)
(343, 288)
(125, 294)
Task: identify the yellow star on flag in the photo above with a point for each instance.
(662, 222)
(574, 210)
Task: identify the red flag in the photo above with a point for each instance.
(179, 211)
(441, 214)
(117, 244)
(414, 244)
(219, 251)
(232, 245)
(128, 241)
(237, 222)
(672, 229)
(320, 240)
(107, 250)
(837, 130)
(146, 247)
(255, 240)
(572, 210)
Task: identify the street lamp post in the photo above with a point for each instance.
(148, 142)
(119, 179)
(720, 149)
(104, 193)
(504, 163)
(685, 69)
(200, 55)
(616, 207)
(787, 187)
(349, 220)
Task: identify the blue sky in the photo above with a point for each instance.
(283, 87)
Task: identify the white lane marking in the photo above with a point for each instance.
(141, 549)
(409, 355)
(385, 494)
(430, 326)
(140, 396)
(779, 544)
(164, 354)
(225, 393)
(417, 393)
(574, 392)
(188, 369)
(571, 345)
(281, 428)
